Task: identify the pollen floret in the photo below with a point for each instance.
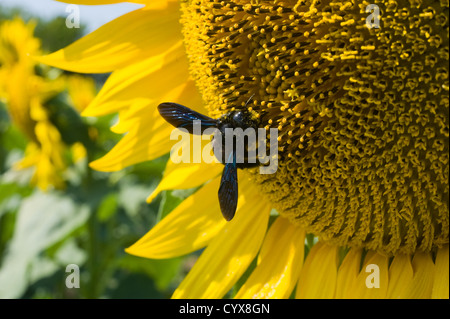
(362, 112)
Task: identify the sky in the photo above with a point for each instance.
(92, 16)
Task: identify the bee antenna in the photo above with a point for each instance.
(249, 99)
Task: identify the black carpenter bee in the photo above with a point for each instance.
(183, 117)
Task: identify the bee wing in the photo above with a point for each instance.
(183, 117)
(228, 190)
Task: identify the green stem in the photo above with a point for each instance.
(93, 251)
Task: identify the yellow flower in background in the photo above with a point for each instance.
(81, 91)
(362, 115)
(26, 94)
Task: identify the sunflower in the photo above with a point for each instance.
(25, 94)
(27, 89)
(362, 116)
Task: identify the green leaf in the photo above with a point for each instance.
(133, 195)
(42, 221)
(107, 207)
(8, 190)
(162, 271)
(13, 139)
(11, 196)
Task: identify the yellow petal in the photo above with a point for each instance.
(318, 275)
(128, 39)
(186, 175)
(229, 254)
(132, 116)
(441, 280)
(422, 283)
(400, 276)
(149, 134)
(281, 261)
(81, 91)
(347, 274)
(78, 151)
(148, 140)
(189, 227)
(149, 79)
(372, 281)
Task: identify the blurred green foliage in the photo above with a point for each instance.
(89, 223)
(53, 33)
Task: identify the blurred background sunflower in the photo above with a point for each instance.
(359, 205)
(55, 212)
